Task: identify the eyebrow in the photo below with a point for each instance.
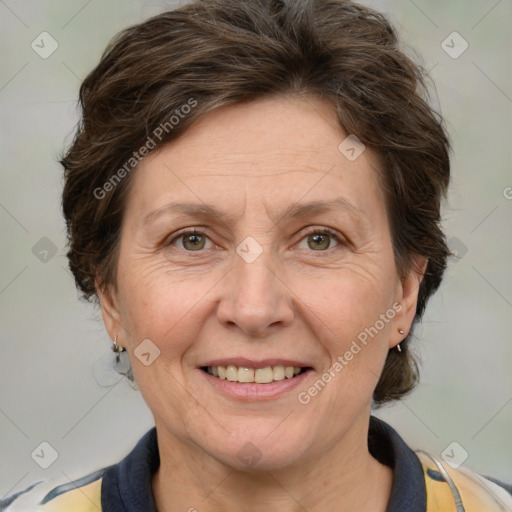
(296, 210)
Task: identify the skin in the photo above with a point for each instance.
(303, 299)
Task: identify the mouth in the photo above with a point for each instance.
(246, 380)
(248, 375)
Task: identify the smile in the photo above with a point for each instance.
(265, 375)
(255, 390)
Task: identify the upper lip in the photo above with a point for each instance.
(243, 362)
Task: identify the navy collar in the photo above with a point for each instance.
(126, 486)
(408, 493)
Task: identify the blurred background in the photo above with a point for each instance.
(57, 382)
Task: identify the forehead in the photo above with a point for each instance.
(270, 154)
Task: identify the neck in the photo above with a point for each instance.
(346, 478)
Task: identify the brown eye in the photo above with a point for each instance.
(191, 241)
(320, 240)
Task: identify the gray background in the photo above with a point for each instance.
(56, 384)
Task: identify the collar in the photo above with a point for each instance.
(408, 492)
(126, 486)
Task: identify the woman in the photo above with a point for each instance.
(253, 196)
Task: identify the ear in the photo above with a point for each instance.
(109, 309)
(407, 295)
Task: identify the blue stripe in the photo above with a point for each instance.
(75, 484)
(7, 501)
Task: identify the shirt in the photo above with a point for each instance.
(421, 483)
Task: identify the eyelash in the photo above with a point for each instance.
(315, 231)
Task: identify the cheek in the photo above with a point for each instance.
(348, 301)
(168, 312)
(352, 316)
(159, 304)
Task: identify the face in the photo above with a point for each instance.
(281, 257)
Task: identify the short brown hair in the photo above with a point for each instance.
(221, 52)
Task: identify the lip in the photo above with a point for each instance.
(250, 363)
(252, 391)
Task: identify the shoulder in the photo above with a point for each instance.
(81, 495)
(460, 489)
(129, 479)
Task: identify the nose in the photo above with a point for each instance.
(255, 297)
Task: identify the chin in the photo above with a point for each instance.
(262, 451)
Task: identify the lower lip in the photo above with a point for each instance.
(254, 391)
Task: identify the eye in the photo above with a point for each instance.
(192, 240)
(321, 239)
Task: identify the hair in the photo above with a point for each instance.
(213, 53)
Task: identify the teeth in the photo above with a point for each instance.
(259, 375)
(245, 375)
(232, 373)
(264, 375)
(278, 372)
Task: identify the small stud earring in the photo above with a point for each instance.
(401, 331)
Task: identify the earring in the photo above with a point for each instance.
(122, 363)
(398, 347)
(117, 349)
